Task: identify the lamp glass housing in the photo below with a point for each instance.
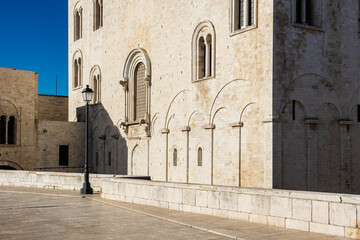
(87, 94)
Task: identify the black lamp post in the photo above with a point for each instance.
(87, 94)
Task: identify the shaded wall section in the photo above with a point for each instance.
(52, 108)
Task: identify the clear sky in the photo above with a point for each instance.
(34, 37)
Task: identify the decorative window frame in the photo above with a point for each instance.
(96, 71)
(234, 31)
(305, 25)
(77, 55)
(203, 29)
(136, 56)
(78, 9)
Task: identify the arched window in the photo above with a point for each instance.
(175, 157)
(98, 14)
(95, 80)
(77, 24)
(139, 92)
(3, 129)
(12, 130)
(203, 52)
(200, 156)
(136, 83)
(77, 70)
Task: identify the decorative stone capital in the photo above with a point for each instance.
(346, 122)
(124, 83)
(164, 131)
(209, 126)
(147, 80)
(237, 124)
(185, 128)
(312, 121)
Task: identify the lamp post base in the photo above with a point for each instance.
(86, 189)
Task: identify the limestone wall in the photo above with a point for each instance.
(211, 110)
(316, 84)
(18, 98)
(52, 134)
(52, 108)
(332, 214)
(70, 181)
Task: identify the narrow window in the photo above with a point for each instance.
(358, 113)
(63, 155)
(98, 14)
(95, 84)
(359, 20)
(309, 12)
(293, 109)
(109, 158)
(97, 158)
(208, 55)
(201, 58)
(175, 157)
(12, 130)
(199, 156)
(251, 12)
(78, 24)
(76, 73)
(3, 129)
(139, 92)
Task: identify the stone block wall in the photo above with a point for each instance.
(52, 134)
(327, 213)
(52, 108)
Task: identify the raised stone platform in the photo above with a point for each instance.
(333, 214)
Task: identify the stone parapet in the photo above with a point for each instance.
(327, 213)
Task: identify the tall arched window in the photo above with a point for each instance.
(3, 129)
(98, 14)
(77, 70)
(139, 92)
(77, 24)
(203, 52)
(95, 80)
(12, 130)
(136, 83)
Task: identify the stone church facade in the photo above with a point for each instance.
(249, 93)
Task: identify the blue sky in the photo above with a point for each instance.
(34, 37)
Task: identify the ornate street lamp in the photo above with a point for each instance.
(87, 94)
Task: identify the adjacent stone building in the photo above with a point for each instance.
(250, 93)
(34, 130)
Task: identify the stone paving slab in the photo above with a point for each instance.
(32, 213)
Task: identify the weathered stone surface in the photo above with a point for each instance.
(280, 207)
(342, 214)
(297, 224)
(301, 209)
(320, 212)
(327, 229)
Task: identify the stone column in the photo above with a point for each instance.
(166, 131)
(272, 153)
(246, 13)
(345, 155)
(312, 154)
(147, 99)
(187, 130)
(207, 58)
(239, 125)
(303, 11)
(211, 127)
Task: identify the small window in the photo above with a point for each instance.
(175, 157)
(3, 129)
(199, 156)
(109, 158)
(77, 70)
(95, 79)
(12, 130)
(203, 51)
(78, 24)
(139, 107)
(98, 14)
(309, 12)
(97, 158)
(243, 14)
(63, 155)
